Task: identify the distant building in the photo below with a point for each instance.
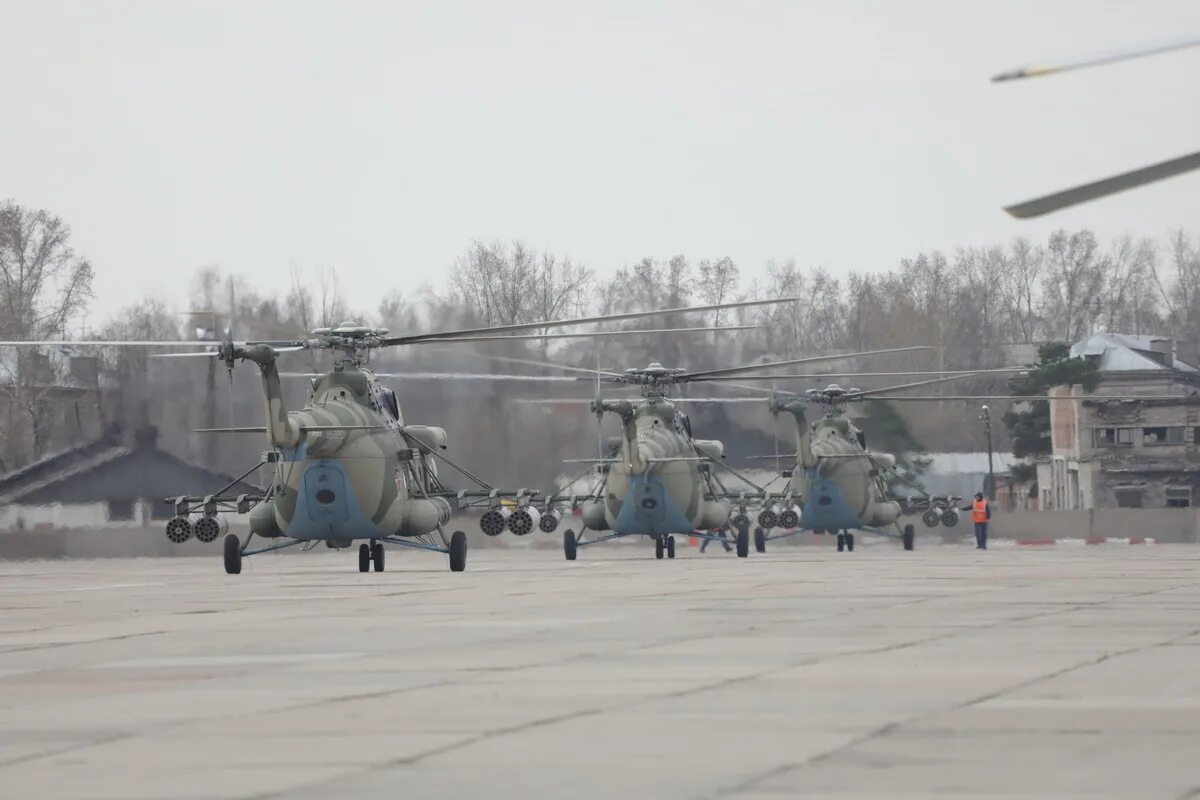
(962, 474)
(1113, 453)
(105, 484)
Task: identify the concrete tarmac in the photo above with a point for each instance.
(1019, 672)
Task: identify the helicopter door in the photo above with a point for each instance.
(325, 490)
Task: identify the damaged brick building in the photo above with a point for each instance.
(1114, 453)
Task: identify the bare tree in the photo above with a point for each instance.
(44, 284)
(717, 284)
(1073, 283)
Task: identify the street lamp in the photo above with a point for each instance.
(986, 416)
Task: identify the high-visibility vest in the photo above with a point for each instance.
(979, 511)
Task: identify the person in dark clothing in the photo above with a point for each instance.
(981, 514)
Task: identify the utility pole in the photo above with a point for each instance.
(986, 416)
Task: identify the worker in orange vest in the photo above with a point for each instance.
(981, 513)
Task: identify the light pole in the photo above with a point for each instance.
(986, 416)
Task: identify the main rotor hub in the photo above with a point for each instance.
(349, 341)
(655, 379)
(833, 395)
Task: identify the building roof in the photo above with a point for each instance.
(106, 468)
(968, 463)
(1121, 352)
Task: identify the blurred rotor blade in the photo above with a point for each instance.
(711, 373)
(459, 376)
(535, 363)
(1096, 59)
(564, 323)
(208, 354)
(1029, 397)
(107, 343)
(823, 375)
(718, 399)
(1102, 188)
(213, 353)
(745, 388)
(860, 395)
(589, 334)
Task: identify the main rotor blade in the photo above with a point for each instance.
(711, 373)
(1097, 59)
(589, 334)
(564, 323)
(1103, 188)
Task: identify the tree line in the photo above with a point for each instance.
(975, 307)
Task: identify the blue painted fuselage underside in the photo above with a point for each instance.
(327, 509)
(649, 509)
(826, 508)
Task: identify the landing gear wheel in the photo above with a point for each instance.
(377, 556)
(670, 547)
(841, 542)
(233, 555)
(760, 540)
(908, 537)
(570, 546)
(743, 542)
(458, 551)
(659, 546)
(364, 557)
(850, 542)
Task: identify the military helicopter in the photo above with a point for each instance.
(656, 479)
(839, 486)
(347, 466)
(1116, 183)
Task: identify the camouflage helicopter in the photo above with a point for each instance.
(839, 486)
(346, 466)
(656, 479)
(1116, 183)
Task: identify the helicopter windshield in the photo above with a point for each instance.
(685, 423)
(390, 406)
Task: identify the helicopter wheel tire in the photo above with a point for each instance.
(570, 545)
(743, 542)
(660, 546)
(458, 551)
(841, 542)
(670, 547)
(364, 557)
(377, 556)
(233, 555)
(760, 540)
(850, 542)
(909, 537)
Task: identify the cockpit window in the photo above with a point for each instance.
(685, 422)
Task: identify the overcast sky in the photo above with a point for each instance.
(381, 138)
